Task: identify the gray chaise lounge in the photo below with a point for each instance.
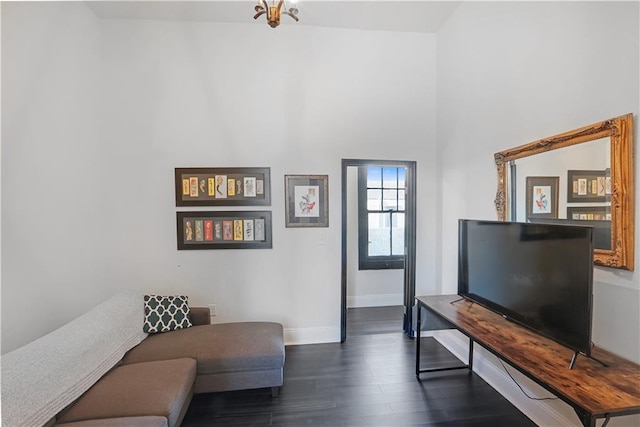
(74, 378)
(230, 356)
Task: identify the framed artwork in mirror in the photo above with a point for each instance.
(588, 186)
(542, 197)
(223, 186)
(306, 200)
(589, 213)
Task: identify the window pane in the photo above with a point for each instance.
(390, 177)
(402, 173)
(397, 234)
(389, 201)
(401, 205)
(374, 177)
(374, 200)
(379, 235)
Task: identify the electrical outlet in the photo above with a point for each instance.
(212, 310)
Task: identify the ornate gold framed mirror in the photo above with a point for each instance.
(580, 177)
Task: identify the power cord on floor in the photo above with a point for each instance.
(520, 387)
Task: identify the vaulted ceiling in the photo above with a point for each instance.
(407, 16)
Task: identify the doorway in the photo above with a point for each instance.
(408, 286)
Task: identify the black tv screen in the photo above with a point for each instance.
(539, 275)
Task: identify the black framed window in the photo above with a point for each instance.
(381, 217)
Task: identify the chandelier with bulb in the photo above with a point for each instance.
(274, 11)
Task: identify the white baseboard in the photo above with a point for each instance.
(297, 336)
(487, 366)
(381, 300)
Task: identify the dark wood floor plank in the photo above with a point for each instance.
(369, 380)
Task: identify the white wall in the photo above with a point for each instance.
(52, 172)
(202, 94)
(179, 94)
(367, 288)
(514, 72)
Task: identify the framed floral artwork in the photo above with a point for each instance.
(542, 197)
(306, 200)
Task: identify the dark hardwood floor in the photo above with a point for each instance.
(369, 380)
(374, 320)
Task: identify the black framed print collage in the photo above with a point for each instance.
(306, 205)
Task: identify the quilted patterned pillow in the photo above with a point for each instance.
(165, 313)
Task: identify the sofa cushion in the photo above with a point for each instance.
(160, 388)
(222, 347)
(165, 313)
(150, 421)
(200, 315)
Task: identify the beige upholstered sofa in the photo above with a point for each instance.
(153, 382)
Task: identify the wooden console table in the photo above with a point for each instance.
(593, 390)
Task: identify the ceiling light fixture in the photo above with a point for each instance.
(274, 11)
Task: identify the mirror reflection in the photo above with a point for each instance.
(568, 185)
(581, 177)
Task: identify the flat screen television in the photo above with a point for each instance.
(538, 275)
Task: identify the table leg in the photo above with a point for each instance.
(418, 328)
